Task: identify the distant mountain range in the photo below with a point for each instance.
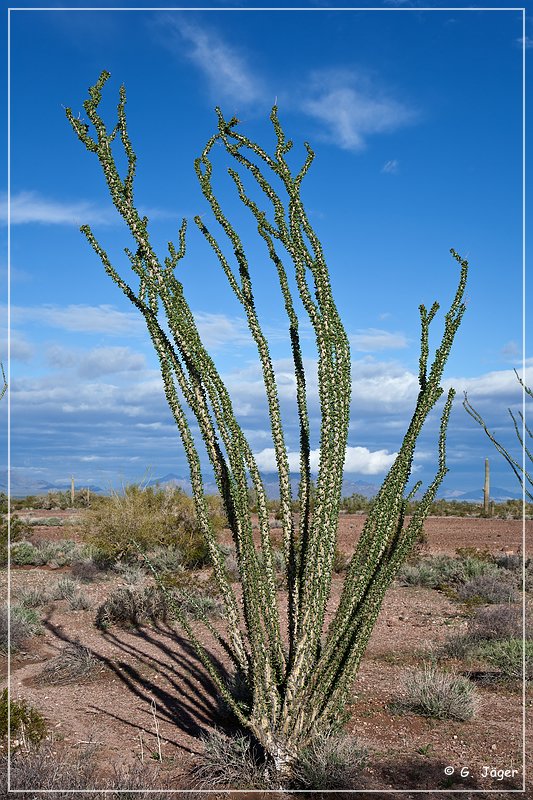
(24, 484)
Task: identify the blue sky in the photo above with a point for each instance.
(416, 121)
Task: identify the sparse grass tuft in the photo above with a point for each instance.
(231, 762)
(74, 664)
(24, 624)
(128, 607)
(32, 597)
(433, 693)
(331, 762)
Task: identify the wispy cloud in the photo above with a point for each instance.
(225, 68)
(80, 318)
(358, 459)
(218, 330)
(31, 207)
(527, 42)
(351, 109)
(96, 362)
(390, 167)
(373, 339)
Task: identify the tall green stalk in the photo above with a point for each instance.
(298, 684)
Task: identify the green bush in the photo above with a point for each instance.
(151, 517)
(25, 723)
(442, 571)
(26, 554)
(507, 656)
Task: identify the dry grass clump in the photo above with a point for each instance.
(74, 664)
(47, 768)
(433, 693)
(231, 762)
(24, 623)
(68, 589)
(130, 608)
(332, 762)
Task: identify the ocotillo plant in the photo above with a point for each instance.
(522, 430)
(298, 684)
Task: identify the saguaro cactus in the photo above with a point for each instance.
(486, 489)
(297, 684)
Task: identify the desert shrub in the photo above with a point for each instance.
(80, 602)
(340, 561)
(32, 597)
(231, 762)
(65, 589)
(199, 605)
(490, 588)
(232, 566)
(130, 574)
(24, 623)
(128, 607)
(17, 529)
(331, 762)
(25, 722)
(166, 559)
(498, 621)
(74, 664)
(85, 570)
(442, 571)
(355, 503)
(26, 554)
(507, 656)
(63, 552)
(152, 518)
(433, 693)
(50, 769)
(476, 553)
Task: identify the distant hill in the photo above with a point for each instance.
(23, 483)
(497, 495)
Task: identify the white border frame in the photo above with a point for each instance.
(311, 10)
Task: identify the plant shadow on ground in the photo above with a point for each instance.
(190, 702)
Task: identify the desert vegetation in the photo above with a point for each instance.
(241, 627)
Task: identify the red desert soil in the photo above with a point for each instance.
(156, 665)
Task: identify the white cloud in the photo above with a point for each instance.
(358, 459)
(96, 362)
(373, 339)
(217, 330)
(81, 319)
(224, 67)
(31, 207)
(391, 167)
(501, 386)
(351, 110)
